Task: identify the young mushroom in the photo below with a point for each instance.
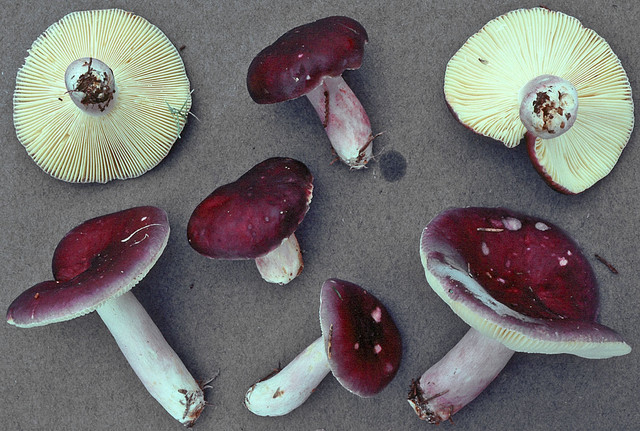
(95, 266)
(255, 217)
(521, 284)
(309, 60)
(102, 95)
(360, 345)
(540, 74)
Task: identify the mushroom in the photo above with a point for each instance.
(309, 60)
(521, 284)
(255, 217)
(102, 95)
(540, 73)
(360, 344)
(95, 266)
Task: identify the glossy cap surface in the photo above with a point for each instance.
(518, 279)
(251, 216)
(362, 342)
(99, 259)
(301, 58)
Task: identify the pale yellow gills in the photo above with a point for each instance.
(151, 105)
(484, 78)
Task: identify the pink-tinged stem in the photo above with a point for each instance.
(153, 360)
(282, 264)
(290, 387)
(458, 377)
(345, 121)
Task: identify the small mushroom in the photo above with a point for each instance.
(255, 217)
(94, 267)
(309, 60)
(541, 74)
(360, 345)
(102, 95)
(521, 284)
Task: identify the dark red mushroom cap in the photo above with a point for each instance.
(518, 279)
(301, 58)
(250, 217)
(363, 344)
(99, 259)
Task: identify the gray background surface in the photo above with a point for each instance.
(221, 317)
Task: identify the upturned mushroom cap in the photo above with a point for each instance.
(485, 79)
(363, 344)
(250, 217)
(518, 279)
(135, 127)
(102, 258)
(301, 58)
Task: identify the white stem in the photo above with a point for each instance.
(282, 264)
(548, 106)
(153, 360)
(458, 377)
(289, 388)
(345, 121)
(91, 86)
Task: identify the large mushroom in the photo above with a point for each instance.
(308, 61)
(540, 73)
(255, 217)
(360, 345)
(521, 284)
(95, 266)
(102, 95)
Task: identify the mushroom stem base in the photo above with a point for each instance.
(345, 121)
(282, 264)
(153, 360)
(459, 377)
(290, 387)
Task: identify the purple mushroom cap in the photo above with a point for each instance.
(99, 259)
(250, 217)
(518, 279)
(363, 344)
(300, 59)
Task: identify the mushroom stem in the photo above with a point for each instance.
(548, 106)
(91, 85)
(290, 387)
(345, 121)
(153, 360)
(458, 377)
(282, 264)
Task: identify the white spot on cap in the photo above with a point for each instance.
(563, 261)
(377, 315)
(143, 218)
(512, 223)
(485, 248)
(541, 226)
(569, 253)
(356, 346)
(377, 348)
(388, 367)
